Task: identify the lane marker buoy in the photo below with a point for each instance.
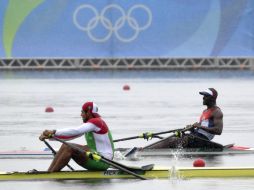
(126, 87)
(49, 109)
(199, 163)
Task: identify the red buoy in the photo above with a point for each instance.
(199, 163)
(49, 109)
(126, 87)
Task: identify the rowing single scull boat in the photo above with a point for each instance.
(227, 150)
(154, 173)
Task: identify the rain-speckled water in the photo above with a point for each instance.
(157, 101)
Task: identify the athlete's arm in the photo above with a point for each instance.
(72, 133)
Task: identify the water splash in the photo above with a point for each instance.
(118, 155)
(173, 173)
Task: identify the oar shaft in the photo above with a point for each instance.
(135, 149)
(165, 132)
(127, 138)
(158, 142)
(50, 147)
(122, 168)
(153, 134)
(165, 139)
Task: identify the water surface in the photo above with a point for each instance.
(157, 101)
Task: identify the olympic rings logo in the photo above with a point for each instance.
(111, 27)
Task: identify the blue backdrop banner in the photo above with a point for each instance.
(120, 28)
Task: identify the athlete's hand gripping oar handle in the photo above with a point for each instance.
(54, 152)
(103, 159)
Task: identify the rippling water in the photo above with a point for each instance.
(157, 101)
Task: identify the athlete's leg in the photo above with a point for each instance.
(88, 163)
(61, 159)
(78, 157)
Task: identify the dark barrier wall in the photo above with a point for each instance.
(126, 28)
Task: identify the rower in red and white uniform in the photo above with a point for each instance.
(211, 120)
(202, 132)
(97, 135)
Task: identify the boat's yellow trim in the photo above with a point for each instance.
(215, 172)
(179, 172)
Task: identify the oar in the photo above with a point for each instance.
(135, 149)
(149, 135)
(101, 158)
(54, 152)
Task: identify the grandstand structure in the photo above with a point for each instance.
(126, 63)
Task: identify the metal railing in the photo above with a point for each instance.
(125, 63)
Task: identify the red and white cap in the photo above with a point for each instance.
(92, 107)
(209, 92)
